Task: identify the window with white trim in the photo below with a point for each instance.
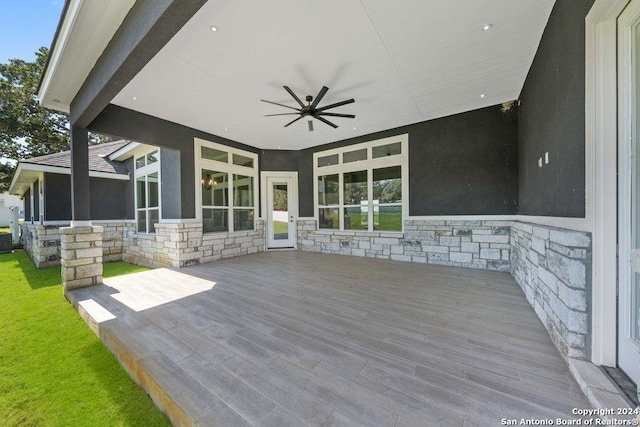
(227, 195)
(362, 186)
(147, 174)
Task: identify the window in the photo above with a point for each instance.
(147, 191)
(227, 179)
(363, 186)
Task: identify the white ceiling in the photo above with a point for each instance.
(403, 61)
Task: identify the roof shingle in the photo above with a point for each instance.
(98, 158)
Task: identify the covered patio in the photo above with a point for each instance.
(295, 338)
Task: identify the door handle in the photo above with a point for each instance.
(292, 218)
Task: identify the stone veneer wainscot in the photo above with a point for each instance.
(42, 242)
(183, 244)
(472, 244)
(553, 267)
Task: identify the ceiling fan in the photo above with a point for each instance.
(311, 109)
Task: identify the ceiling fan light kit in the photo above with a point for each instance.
(312, 109)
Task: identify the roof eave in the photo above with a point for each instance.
(63, 31)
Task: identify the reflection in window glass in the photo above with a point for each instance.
(387, 218)
(154, 218)
(355, 187)
(140, 192)
(152, 157)
(280, 211)
(142, 221)
(213, 154)
(386, 150)
(387, 185)
(328, 160)
(140, 162)
(215, 220)
(354, 156)
(329, 218)
(215, 188)
(242, 190)
(328, 190)
(242, 219)
(356, 218)
(152, 186)
(242, 161)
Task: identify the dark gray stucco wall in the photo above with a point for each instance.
(279, 160)
(129, 124)
(465, 164)
(36, 201)
(130, 206)
(170, 188)
(27, 206)
(551, 118)
(57, 197)
(106, 198)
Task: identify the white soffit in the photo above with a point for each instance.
(87, 28)
(403, 62)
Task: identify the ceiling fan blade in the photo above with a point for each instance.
(294, 96)
(326, 121)
(293, 121)
(282, 105)
(349, 116)
(280, 114)
(337, 104)
(319, 96)
(310, 125)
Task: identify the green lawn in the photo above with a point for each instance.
(53, 370)
(280, 227)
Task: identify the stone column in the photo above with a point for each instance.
(81, 256)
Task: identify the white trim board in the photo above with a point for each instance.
(601, 172)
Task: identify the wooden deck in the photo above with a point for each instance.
(291, 338)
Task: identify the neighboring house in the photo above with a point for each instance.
(439, 166)
(7, 202)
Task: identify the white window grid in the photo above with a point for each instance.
(367, 165)
(145, 171)
(231, 169)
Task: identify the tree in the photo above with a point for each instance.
(26, 128)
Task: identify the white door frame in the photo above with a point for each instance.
(293, 192)
(601, 125)
(628, 151)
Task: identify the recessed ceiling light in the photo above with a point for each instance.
(482, 95)
(213, 28)
(134, 98)
(354, 128)
(487, 27)
(56, 100)
(225, 129)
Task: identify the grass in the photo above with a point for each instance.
(390, 221)
(53, 370)
(280, 227)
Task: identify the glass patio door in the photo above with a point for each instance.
(629, 196)
(281, 199)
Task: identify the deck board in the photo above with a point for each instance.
(292, 338)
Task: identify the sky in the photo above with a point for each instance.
(26, 25)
